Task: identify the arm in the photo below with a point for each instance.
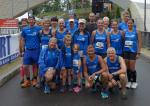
(85, 69)
(123, 67)
(103, 66)
(92, 37)
(108, 39)
(139, 41)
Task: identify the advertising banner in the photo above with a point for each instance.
(9, 49)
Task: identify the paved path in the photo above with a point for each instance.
(12, 95)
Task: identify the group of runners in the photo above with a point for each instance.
(69, 54)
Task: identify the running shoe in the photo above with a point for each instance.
(26, 84)
(134, 85)
(62, 89)
(104, 95)
(34, 82)
(46, 89)
(70, 88)
(128, 85)
(77, 89)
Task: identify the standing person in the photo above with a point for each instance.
(30, 45)
(24, 23)
(60, 33)
(66, 56)
(132, 49)
(77, 71)
(123, 25)
(82, 37)
(99, 39)
(117, 70)
(54, 26)
(95, 71)
(116, 38)
(45, 34)
(71, 28)
(71, 16)
(91, 25)
(106, 24)
(48, 61)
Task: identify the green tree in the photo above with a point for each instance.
(118, 15)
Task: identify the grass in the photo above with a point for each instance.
(9, 66)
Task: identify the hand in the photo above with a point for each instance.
(21, 54)
(138, 55)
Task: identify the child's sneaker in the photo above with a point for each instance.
(77, 89)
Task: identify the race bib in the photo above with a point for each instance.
(75, 63)
(81, 53)
(128, 43)
(99, 45)
(44, 46)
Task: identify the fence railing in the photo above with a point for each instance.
(146, 40)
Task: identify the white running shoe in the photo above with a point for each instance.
(128, 85)
(134, 85)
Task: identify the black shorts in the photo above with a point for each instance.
(68, 68)
(116, 78)
(129, 55)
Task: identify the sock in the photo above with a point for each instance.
(129, 75)
(28, 78)
(134, 74)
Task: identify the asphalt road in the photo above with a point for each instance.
(12, 95)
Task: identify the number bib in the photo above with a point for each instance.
(128, 43)
(99, 45)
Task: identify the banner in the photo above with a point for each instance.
(9, 49)
(9, 23)
(9, 26)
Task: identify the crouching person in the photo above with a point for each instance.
(117, 71)
(48, 61)
(95, 71)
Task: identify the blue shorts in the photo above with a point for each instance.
(31, 56)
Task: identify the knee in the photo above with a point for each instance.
(110, 85)
(122, 77)
(105, 76)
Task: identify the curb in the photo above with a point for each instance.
(145, 56)
(9, 75)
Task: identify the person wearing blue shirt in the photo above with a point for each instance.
(60, 33)
(30, 42)
(45, 34)
(106, 24)
(95, 71)
(67, 22)
(116, 38)
(71, 28)
(48, 62)
(54, 26)
(117, 70)
(82, 37)
(99, 39)
(77, 70)
(132, 49)
(67, 56)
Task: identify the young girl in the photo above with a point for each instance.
(76, 68)
(66, 56)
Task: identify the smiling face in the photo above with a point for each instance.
(31, 21)
(61, 23)
(100, 24)
(111, 53)
(130, 24)
(115, 25)
(90, 51)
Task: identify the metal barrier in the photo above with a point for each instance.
(146, 40)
